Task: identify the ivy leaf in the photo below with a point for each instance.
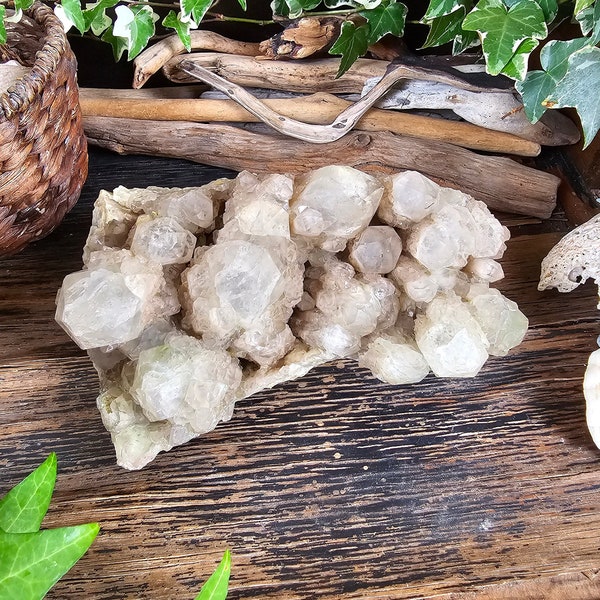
(194, 10)
(2, 27)
(70, 14)
(332, 4)
(441, 8)
(351, 44)
(580, 89)
(217, 584)
(516, 68)
(388, 17)
(119, 44)
(589, 21)
(173, 21)
(550, 9)
(23, 508)
(243, 4)
(31, 563)
(292, 8)
(463, 41)
(445, 29)
(581, 4)
(538, 85)
(96, 18)
(502, 29)
(21, 5)
(135, 25)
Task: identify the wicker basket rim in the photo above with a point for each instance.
(18, 96)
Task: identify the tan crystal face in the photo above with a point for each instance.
(183, 317)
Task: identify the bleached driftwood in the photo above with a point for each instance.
(493, 110)
(316, 109)
(153, 58)
(501, 183)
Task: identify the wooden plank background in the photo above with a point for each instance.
(334, 486)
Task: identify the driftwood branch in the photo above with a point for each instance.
(500, 182)
(309, 76)
(343, 122)
(152, 59)
(317, 109)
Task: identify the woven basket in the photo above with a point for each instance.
(43, 150)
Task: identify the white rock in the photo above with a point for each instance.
(375, 250)
(162, 240)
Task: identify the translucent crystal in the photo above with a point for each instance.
(163, 240)
(450, 338)
(394, 358)
(375, 250)
(503, 324)
(333, 204)
(409, 198)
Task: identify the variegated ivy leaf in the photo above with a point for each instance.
(463, 41)
(516, 68)
(581, 4)
(367, 4)
(441, 8)
(538, 85)
(70, 14)
(550, 8)
(580, 89)
(2, 27)
(333, 4)
(173, 21)
(293, 8)
(503, 29)
(21, 5)
(118, 44)
(589, 21)
(351, 44)
(194, 10)
(96, 18)
(445, 29)
(135, 25)
(388, 17)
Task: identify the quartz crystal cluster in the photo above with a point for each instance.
(193, 298)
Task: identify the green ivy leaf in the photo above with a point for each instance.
(502, 29)
(243, 4)
(173, 21)
(135, 25)
(441, 8)
(589, 21)
(23, 508)
(463, 41)
(333, 4)
(119, 44)
(445, 29)
(516, 68)
(96, 18)
(194, 9)
(2, 27)
(31, 563)
(73, 13)
(581, 4)
(388, 17)
(23, 4)
(292, 9)
(550, 9)
(351, 43)
(217, 584)
(538, 85)
(580, 89)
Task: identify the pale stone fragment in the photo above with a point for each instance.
(503, 324)
(408, 199)
(450, 338)
(484, 269)
(332, 204)
(416, 281)
(163, 240)
(375, 250)
(394, 358)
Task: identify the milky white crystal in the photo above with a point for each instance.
(193, 298)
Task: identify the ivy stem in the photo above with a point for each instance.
(222, 17)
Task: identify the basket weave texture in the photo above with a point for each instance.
(43, 150)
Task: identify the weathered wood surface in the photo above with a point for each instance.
(500, 182)
(334, 486)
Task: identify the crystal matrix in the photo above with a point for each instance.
(193, 298)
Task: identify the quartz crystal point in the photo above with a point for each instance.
(193, 298)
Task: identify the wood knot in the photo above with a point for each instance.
(362, 140)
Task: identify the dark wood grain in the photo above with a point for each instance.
(334, 486)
